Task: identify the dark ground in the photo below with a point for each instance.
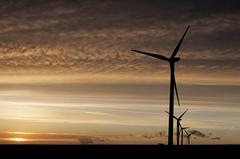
(120, 151)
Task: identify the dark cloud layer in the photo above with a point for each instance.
(216, 138)
(198, 133)
(96, 36)
(161, 134)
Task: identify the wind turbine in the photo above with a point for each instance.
(172, 60)
(188, 136)
(178, 124)
(182, 130)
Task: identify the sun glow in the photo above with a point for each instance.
(18, 139)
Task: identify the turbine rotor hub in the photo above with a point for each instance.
(175, 59)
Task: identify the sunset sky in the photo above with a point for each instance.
(68, 76)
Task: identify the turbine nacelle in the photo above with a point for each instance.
(174, 59)
(180, 117)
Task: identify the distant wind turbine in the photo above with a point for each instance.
(173, 85)
(188, 136)
(178, 124)
(182, 131)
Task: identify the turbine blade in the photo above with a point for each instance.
(183, 114)
(173, 115)
(175, 118)
(180, 125)
(153, 55)
(167, 112)
(179, 44)
(175, 85)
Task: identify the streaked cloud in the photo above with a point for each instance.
(216, 138)
(198, 133)
(62, 36)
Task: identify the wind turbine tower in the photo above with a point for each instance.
(178, 124)
(182, 131)
(188, 136)
(172, 60)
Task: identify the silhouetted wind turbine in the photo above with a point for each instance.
(182, 130)
(173, 85)
(178, 124)
(188, 136)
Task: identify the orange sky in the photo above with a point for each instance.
(67, 70)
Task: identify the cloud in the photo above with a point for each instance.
(51, 138)
(161, 134)
(88, 140)
(198, 133)
(216, 138)
(93, 36)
